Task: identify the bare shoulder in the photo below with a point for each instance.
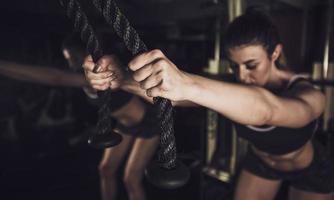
(307, 94)
(300, 84)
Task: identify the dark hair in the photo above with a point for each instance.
(252, 28)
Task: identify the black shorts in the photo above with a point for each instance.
(317, 177)
(147, 128)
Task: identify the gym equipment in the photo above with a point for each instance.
(177, 173)
(105, 136)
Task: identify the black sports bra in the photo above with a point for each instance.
(278, 140)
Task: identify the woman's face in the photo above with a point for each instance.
(251, 64)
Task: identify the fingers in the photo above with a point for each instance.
(103, 84)
(145, 59)
(158, 76)
(108, 62)
(148, 70)
(99, 78)
(152, 81)
(102, 81)
(150, 73)
(88, 64)
(104, 74)
(105, 63)
(156, 92)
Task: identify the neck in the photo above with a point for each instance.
(278, 80)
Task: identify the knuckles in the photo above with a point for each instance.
(160, 64)
(157, 53)
(136, 77)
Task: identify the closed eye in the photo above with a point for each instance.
(251, 66)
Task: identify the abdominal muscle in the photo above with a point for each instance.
(296, 160)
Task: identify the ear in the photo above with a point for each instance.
(277, 52)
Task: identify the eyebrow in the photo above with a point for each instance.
(246, 62)
(249, 61)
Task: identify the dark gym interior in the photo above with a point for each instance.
(44, 128)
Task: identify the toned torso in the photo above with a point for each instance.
(295, 160)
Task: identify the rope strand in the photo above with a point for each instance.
(88, 36)
(122, 27)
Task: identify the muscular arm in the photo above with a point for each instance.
(257, 106)
(43, 75)
(157, 76)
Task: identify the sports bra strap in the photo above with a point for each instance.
(296, 78)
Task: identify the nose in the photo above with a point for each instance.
(243, 75)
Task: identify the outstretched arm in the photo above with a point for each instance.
(43, 75)
(244, 104)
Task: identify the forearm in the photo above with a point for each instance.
(130, 85)
(43, 75)
(243, 104)
(71, 79)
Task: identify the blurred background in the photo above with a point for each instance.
(44, 127)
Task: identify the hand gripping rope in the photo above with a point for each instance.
(105, 136)
(166, 172)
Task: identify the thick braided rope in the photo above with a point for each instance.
(122, 27)
(81, 23)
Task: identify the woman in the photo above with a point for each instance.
(273, 108)
(133, 116)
